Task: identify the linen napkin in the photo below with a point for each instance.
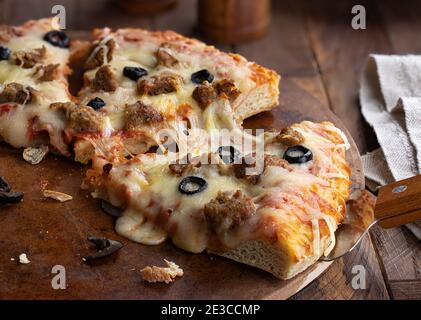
(390, 97)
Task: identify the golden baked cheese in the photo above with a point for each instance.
(136, 83)
(293, 208)
(170, 82)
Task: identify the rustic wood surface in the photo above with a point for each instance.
(312, 44)
(395, 208)
(53, 233)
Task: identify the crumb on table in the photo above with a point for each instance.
(162, 274)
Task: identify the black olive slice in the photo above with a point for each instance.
(298, 154)
(192, 185)
(100, 243)
(96, 103)
(57, 38)
(201, 76)
(134, 73)
(6, 194)
(104, 247)
(4, 185)
(4, 53)
(109, 209)
(10, 197)
(228, 154)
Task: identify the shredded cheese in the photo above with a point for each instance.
(346, 143)
(101, 45)
(316, 237)
(331, 223)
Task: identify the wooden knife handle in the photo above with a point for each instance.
(399, 203)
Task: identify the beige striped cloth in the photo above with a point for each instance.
(390, 97)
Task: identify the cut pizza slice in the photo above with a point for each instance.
(138, 82)
(33, 70)
(280, 218)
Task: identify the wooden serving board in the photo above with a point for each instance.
(53, 233)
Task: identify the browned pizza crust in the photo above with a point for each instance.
(281, 220)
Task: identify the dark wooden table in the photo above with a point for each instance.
(312, 44)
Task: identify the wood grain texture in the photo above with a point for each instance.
(402, 25)
(312, 85)
(390, 203)
(400, 252)
(401, 219)
(293, 59)
(336, 282)
(285, 47)
(398, 248)
(340, 53)
(406, 290)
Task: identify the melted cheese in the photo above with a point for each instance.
(142, 53)
(159, 193)
(135, 227)
(294, 200)
(289, 180)
(316, 236)
(219, 115)
(15, 126)
(331, 223)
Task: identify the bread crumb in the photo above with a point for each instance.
(35, 155)
(59, 196)
(23, 259)
(159, 274)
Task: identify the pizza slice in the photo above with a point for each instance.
(33, 70)
(139, 82)
(280, 218)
